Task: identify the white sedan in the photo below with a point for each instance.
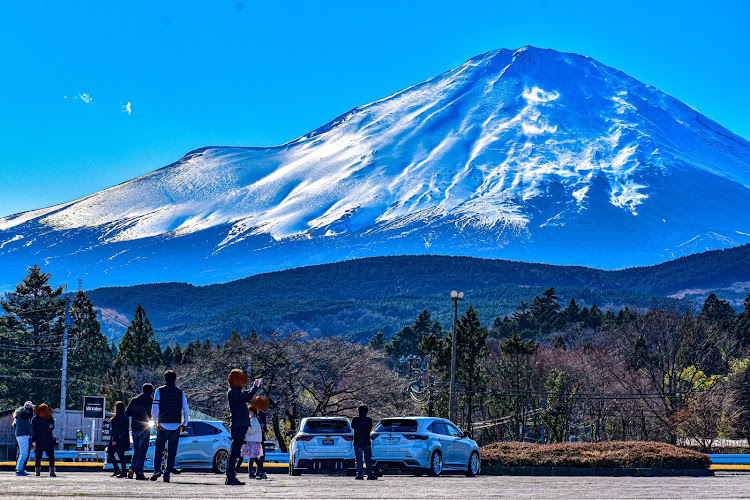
(424, 444)
(204, 444)
(322, 444)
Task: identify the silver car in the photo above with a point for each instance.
(424, 444)
(322, 444)
(204, 444)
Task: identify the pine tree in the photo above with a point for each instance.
(406, 341)
(91, 356)
(34, 317)
(742, 323)
(377, 341)
(118, 385)
(138, 347)
(572, 313)
(167, 357)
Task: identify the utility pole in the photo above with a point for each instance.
(456, 296)
(64, 382)
(431, 382)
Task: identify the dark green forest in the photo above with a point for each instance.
(359, 297)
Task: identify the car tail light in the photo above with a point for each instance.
(374, 435)
(349, 438)
(416, 436)
(304, 438)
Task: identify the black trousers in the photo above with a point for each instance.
(120, 455)
(49, 450)
(238, 439)
(259, 469)
(171, 439)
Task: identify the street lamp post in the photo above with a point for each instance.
(456, 296)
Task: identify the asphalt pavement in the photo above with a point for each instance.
(210, 486)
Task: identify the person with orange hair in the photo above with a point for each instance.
(238, 400)
(44, 442)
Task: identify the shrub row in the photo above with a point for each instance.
(624, 454)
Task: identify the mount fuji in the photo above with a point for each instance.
(528, 154)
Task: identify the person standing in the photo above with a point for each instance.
(238, 400)
(22, 426)
(139, 410)
(253, 447)
(44, 442)
(171, 414)
(362, 426)
(119, 441)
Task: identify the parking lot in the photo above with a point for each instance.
(194, 485)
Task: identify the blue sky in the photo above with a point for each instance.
(96, 93)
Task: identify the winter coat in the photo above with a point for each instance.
(139, 409)
(22, 422)
(238, 400)
(362, 426)
(254, 432)
(118, 433)
(42, 432)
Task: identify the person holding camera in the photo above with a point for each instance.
(238, 400)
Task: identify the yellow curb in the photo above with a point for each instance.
(730, 467)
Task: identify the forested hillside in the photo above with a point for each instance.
(359, 297)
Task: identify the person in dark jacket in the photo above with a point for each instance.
(139, 411)
(171, 413)
(119, 440)
(44, 442)
(238, 400)
(22, 428)
(362, 426)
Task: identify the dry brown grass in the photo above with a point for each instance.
(621, 454)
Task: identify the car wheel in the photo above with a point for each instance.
(436, 464)
(475, 465)
(220, 462)
(292, 470)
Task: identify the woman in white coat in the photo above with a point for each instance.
(253, 447)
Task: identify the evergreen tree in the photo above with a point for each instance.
(595, 317)
(742, 323)
(572, 313)
(33, 329)
(717, 311)
(138, 347)
(406, 341)
(167, 357)
(544, 311)
(90, 357)
(118, 385)
(177, 355)
(377, 341)
(496, 330)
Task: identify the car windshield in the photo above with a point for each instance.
(397, 425)
(327, 427)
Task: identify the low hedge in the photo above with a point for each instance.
(620, 454)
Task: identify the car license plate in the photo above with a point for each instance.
(391, 440)
(327, 442)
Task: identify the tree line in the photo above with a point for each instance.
(543, 373)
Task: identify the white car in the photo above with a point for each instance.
(204, 444)
(322, 444)
(424, 444)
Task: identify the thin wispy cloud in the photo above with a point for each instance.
(84, 97)
(127, 108)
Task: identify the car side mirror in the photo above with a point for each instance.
(183, 434)
(468, 434)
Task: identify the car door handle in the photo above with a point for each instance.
(216, 440)
(195, 440)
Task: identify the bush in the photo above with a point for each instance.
(620, 454)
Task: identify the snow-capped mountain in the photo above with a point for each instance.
(529, 154)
